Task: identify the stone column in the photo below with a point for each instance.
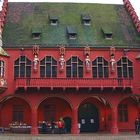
(75, 129)
(138, 111)
(114, 113)
(34, 129)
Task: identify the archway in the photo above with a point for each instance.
(54, 108)
(15, 110)
(93, 114)
(128, 111)
(88, 117)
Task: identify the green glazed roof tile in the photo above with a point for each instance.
(22, 18)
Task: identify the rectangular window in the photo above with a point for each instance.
(68, 71)
(80, 72)
(123, 113)
(130, 70)
(94, 71)
(49, 112)
(125, 73)
(16, 71)
(105, 72)
(119, 71)
(54, 71)
(18, 113)
(48, 70)
(100, 71)
(42, 71)
(22, 70)
(28, 71)
(74, 70)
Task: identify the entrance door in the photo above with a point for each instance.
(67, 121)
(88, 118)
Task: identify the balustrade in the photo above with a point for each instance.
(73, 82)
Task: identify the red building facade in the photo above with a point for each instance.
(96, 87)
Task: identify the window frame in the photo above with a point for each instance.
(52, 67)
(26, 72)
(102, 63)
(72, 64)
(121, 68)
(18, 113)
(123, 113)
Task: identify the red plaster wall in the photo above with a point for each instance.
(62, 108)
(36, 98)
(7, 109)
(132, 114)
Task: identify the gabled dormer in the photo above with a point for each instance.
(53, 20)
(36, 33)
(85, 19)
(71, 32)
(107, 32)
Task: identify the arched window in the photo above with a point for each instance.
(124, 68)
(48, 67)
(100, 68)
(74, 67)
(22, 67)
(1, 68)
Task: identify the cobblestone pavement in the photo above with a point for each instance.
(122, 136)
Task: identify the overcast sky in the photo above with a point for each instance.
(135, 3)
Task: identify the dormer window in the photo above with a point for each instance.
(53, 20)
(71, 32)
(36, 33)
(86, 20)
(107, 33)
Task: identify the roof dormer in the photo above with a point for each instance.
(85, 19)
(71, 32)
(107, 32)
(36, 33)
(53, 20)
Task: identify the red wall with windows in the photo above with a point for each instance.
(75, 96)
(7, 111)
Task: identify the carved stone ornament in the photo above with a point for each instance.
(36, 59)
(87, 63)
(87, 58)
(62, 59)
(36, 62)
(3, 83)
(62, 62)
(112, 59)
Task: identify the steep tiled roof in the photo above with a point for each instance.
(22, 18)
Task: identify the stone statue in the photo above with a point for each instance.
(112, 62)
(2, 69)
(62, 62)
(87, 62)
(3, 82)
(36, 61)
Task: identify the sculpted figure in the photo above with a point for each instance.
(62, 62)
(112, 62)
(36, 61)
(87, 62)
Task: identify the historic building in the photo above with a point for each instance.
(79, 62)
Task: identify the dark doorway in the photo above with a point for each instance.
(88, 117)
(67, 121)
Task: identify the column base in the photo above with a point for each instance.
(75, 131)
(34, 131)
(114, 130)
